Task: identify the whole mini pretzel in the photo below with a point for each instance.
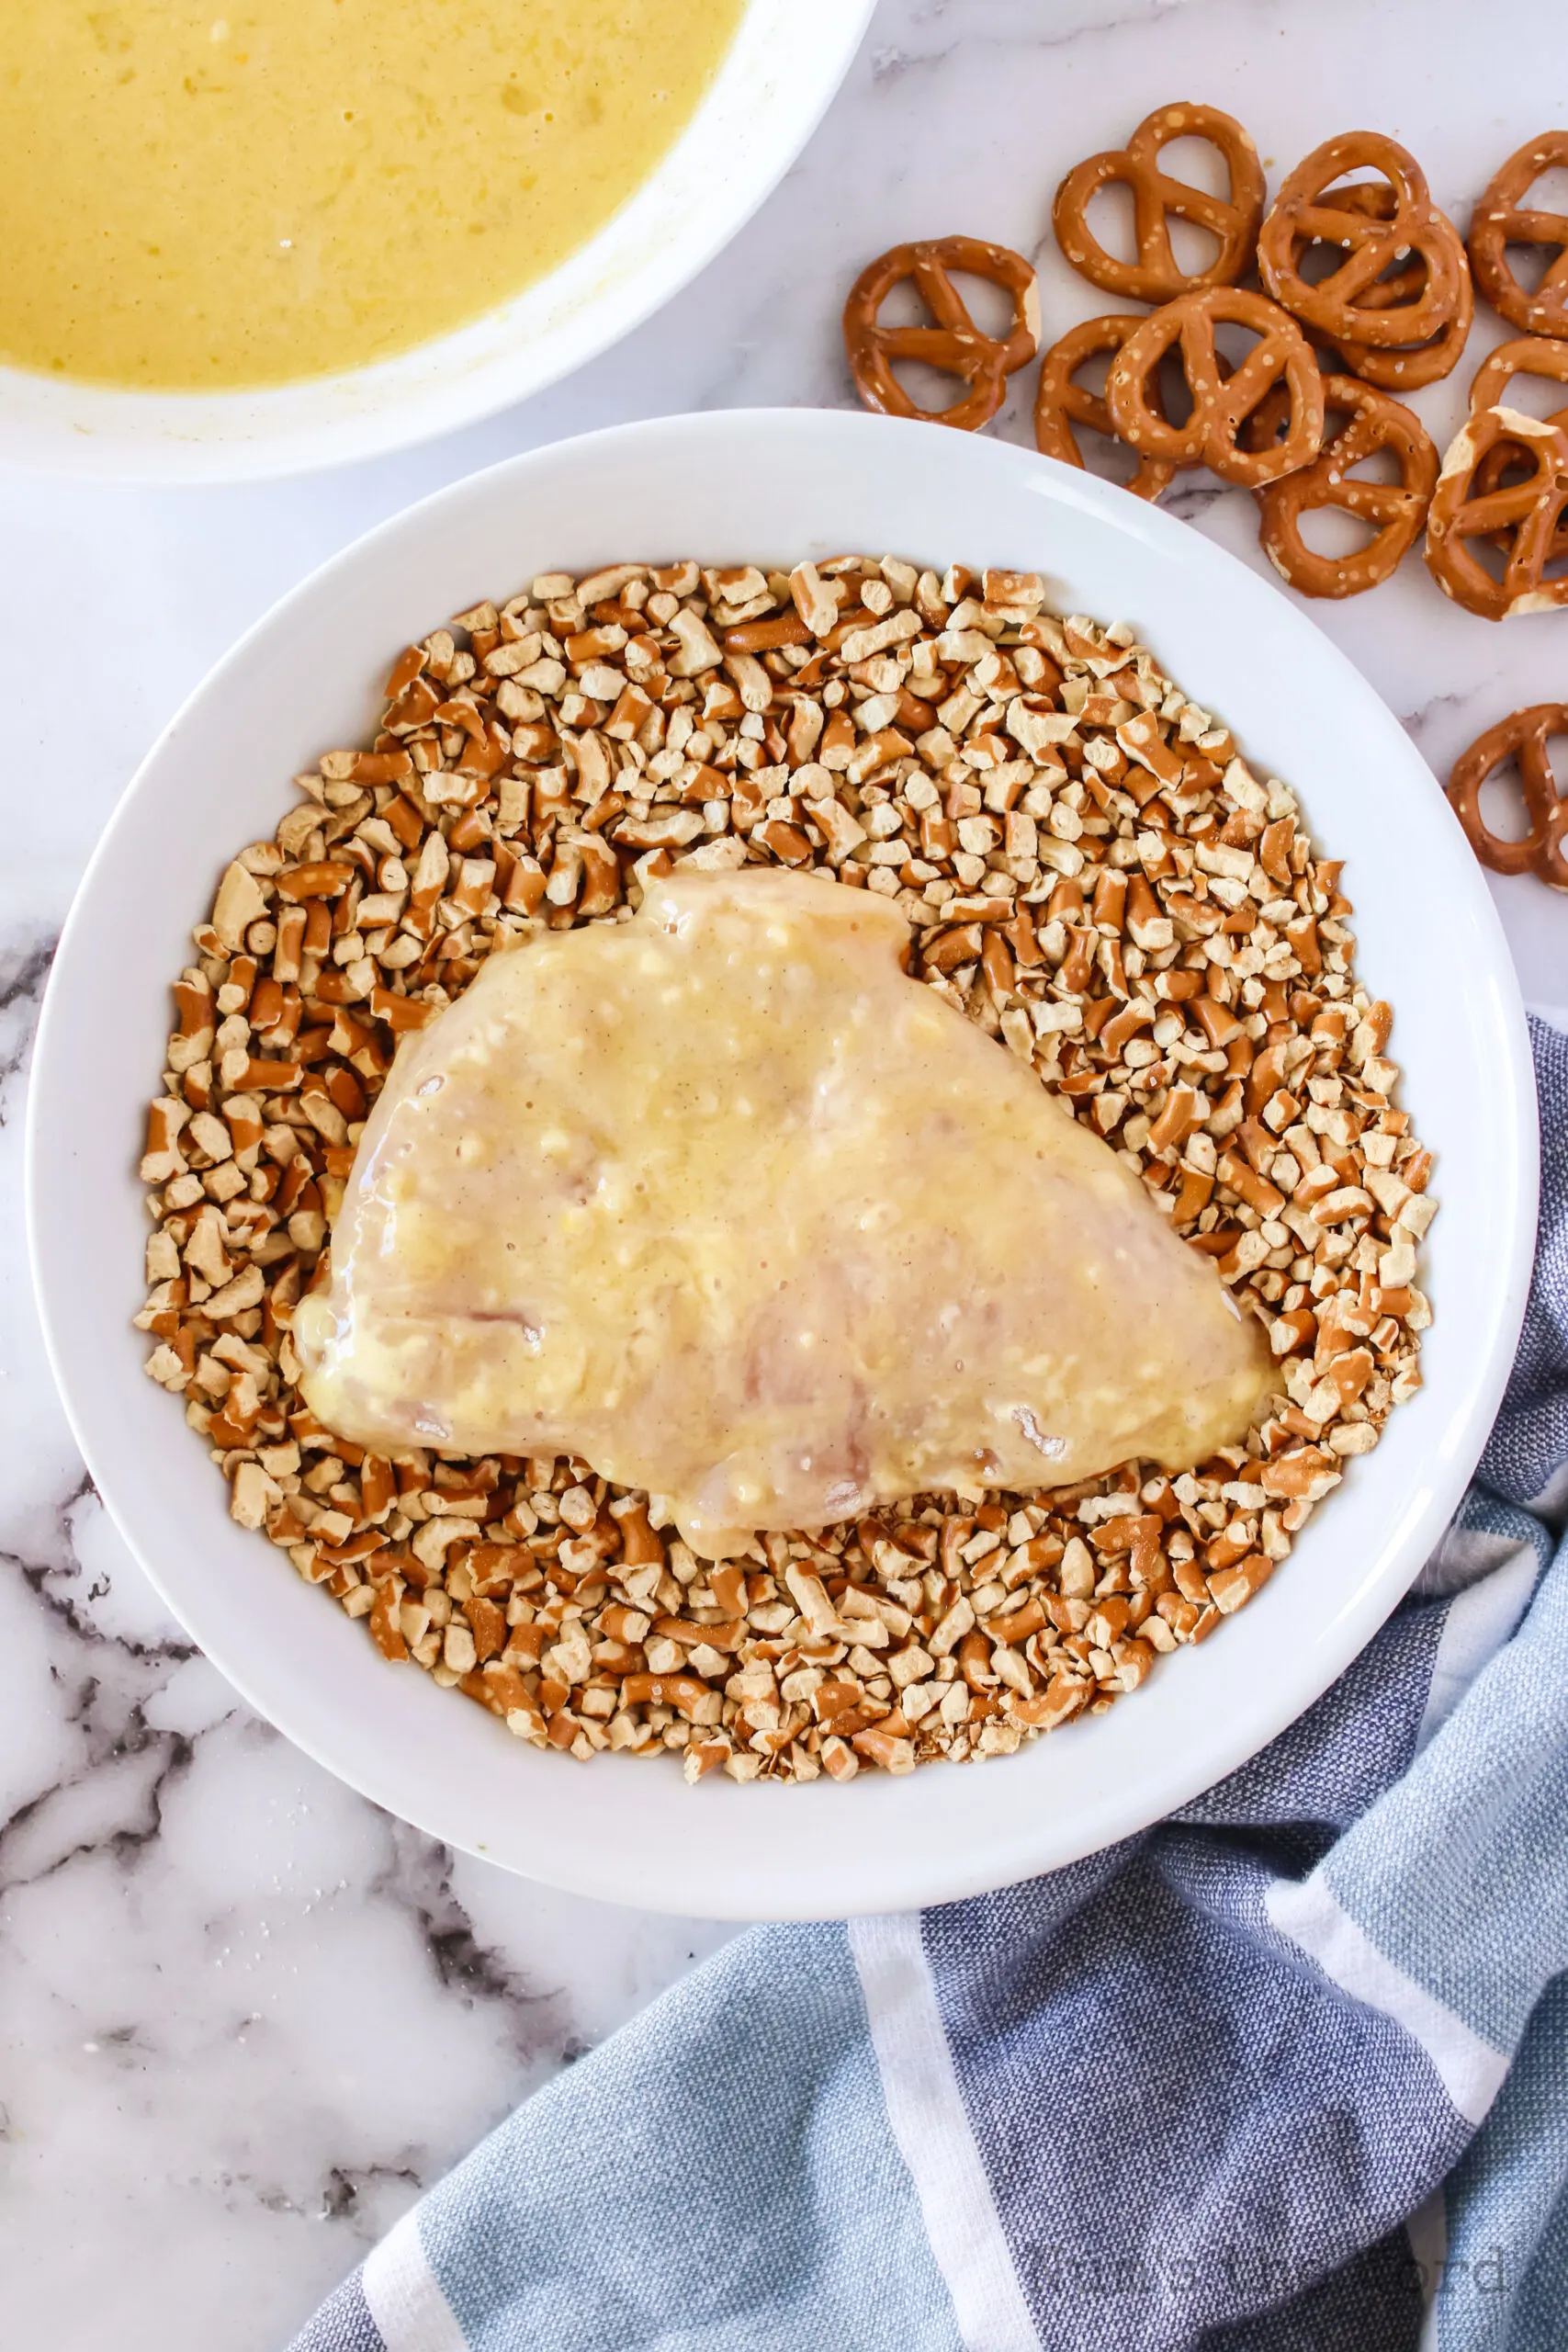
(1373, 422)
(1526, 354)
(955, 344)
(1061, 404)
(1221, 401)
(1156, 275)
(1506, 465)
(1498, 222)
(1406, 366)
(1339, 305)
(1401, 368)
(1529, 355)
(1529, 513)
(1524, 737)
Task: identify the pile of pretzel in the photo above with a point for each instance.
(1391, 312)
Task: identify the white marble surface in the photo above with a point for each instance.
(243, 2017)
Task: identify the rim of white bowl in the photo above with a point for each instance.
(1219, 1740)
(782, 71)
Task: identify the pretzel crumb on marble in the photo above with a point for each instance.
(1093, 874)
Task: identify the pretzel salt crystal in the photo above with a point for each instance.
(1373, 423)
(1062, 403)
(1530, 514)
(1523, 738)
(1222, 400)
(1339, 305)
(955, 344)
(1156, 275)
(1499, 222)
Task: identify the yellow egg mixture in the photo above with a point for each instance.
(203, 197)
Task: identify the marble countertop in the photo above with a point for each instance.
(244, 2018)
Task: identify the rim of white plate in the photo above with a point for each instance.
(776, 482)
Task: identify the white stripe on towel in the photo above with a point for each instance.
(926, 2110)
(1480, 1619)
(1471, 2071)
(404, 2295)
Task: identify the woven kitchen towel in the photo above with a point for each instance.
(1289, 2070)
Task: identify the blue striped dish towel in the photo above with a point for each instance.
(1289, 2070)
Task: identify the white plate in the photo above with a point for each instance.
(778, 485)
(787, 61)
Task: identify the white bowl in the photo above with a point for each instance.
(778, 485)
(787, 61)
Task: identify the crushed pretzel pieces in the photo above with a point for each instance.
(1095, 875)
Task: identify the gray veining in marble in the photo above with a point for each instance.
(243, 2017)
